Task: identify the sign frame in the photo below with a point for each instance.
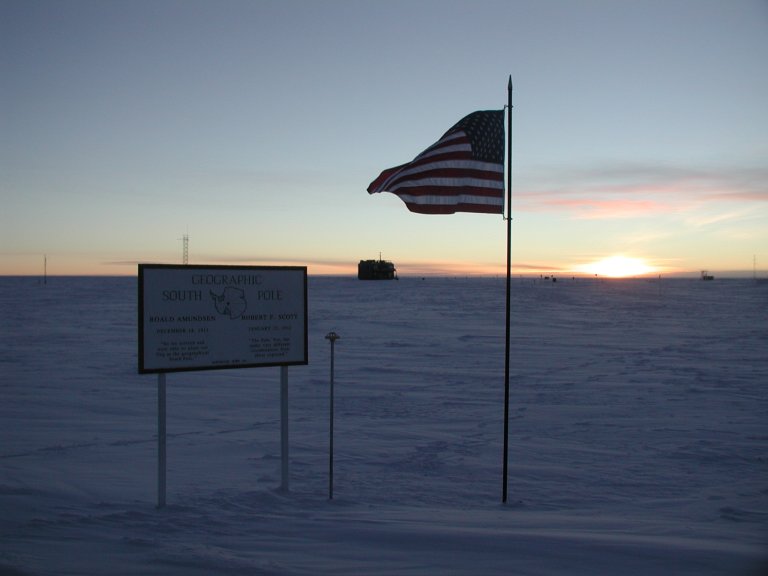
(266, 282)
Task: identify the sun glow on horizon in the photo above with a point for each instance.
(618, 267)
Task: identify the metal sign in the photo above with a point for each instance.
(215, 317)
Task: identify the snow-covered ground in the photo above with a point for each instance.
(638, 435)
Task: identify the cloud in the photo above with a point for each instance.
(631, 191)
(595, 208)
(126, 262)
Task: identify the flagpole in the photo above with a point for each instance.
(509, 276)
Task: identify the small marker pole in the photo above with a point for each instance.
(332, 336)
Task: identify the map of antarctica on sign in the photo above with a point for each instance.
(210, 317)
(231, 302)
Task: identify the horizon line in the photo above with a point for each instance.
(685, 274)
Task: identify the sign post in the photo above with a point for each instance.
(161, 463)
(332, 336)
(284, 475)
(216, 317)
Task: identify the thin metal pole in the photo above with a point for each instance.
(509, 274)
(332, 336)
(161, 462)
(284, 484)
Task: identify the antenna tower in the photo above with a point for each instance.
(185, 255)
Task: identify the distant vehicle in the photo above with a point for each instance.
(376, 270)
(706, 275)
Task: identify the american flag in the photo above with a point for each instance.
(461, 172)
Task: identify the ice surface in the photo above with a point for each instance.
(638, 435)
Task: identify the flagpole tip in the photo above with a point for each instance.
(510, 82)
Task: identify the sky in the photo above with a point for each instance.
(640, 133)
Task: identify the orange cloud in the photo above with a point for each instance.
(636, 190)
(594, 208)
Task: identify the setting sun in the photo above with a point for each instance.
(617, 267)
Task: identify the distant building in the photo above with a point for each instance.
(376, 270)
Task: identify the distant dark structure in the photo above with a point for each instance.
(376, 270)
(706, 275)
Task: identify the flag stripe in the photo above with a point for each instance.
(449, 187)
(452, 208)
(491, 171)
(443, 200)
(455, 141)
(461, 172)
